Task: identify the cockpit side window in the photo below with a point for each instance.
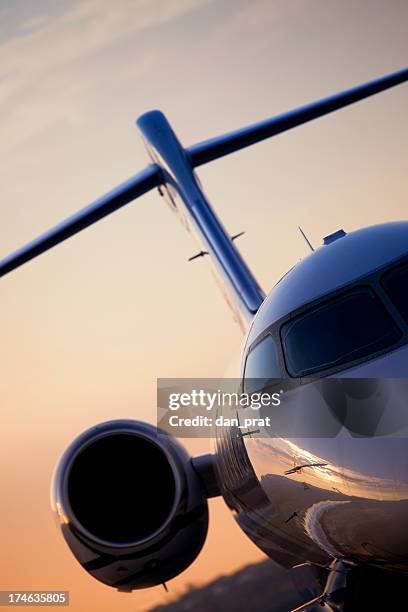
(351, 326)
(395, 283)
(261, 366)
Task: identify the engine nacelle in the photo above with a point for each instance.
(130, 504)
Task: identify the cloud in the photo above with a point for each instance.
(44, 74)
(33, 23)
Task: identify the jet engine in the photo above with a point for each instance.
(131, 504)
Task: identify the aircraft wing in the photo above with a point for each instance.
(128, 191)
(209, 150)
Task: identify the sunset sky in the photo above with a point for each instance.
(88, 327)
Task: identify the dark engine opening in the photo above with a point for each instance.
(121, 488)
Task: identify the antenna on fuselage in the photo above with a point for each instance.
(309, 244)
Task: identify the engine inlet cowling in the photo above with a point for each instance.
(130, 504)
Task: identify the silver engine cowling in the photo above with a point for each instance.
(130, 504)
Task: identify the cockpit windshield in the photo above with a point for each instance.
(349, 327)
(395, 283)
(261, 366)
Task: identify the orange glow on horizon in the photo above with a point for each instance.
(88, 328)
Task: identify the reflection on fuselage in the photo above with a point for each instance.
(350, 507)
(312, 499)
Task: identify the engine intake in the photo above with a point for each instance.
(130, 504)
